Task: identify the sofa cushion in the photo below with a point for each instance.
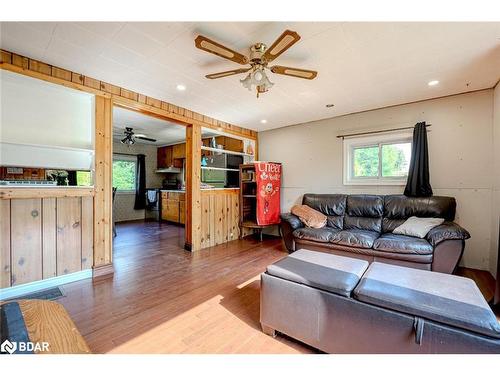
(448, 299)
(397, 243)
(398, 208)
(329, 272)
(324, 234)
(328, 204)
(364, 212)
(355, 238)
(365, 205)
(336, 222)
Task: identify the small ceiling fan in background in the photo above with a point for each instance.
(130, 137)
(260, 57)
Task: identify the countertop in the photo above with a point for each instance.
(183, 191)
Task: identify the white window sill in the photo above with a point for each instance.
(376, 183)
(125, 192)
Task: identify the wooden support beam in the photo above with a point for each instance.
(193, 192)
(103, 193)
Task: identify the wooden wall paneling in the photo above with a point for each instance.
(26, 240)
(61, 73)
(49, 242)
(69, 235)
(193, 192)
(6, 57)
(205, 229)
(87, 232)
(5, 243)
(235, 216)
(102, 184)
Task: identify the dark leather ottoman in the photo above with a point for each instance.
(341, 305)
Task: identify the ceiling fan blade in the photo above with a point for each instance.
(145, 138)
(218, 49)
(285, 41)
(226, 73)
(294, 72)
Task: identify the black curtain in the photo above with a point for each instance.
(140, 183)
(418, 183)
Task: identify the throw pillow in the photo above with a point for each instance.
(309, 216)
(418, 226)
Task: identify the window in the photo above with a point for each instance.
(377, 160)
(124, 169)
(83, 178)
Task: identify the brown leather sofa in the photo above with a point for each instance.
(360, 226)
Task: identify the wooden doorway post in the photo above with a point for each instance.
(193, 192)
(103, 222)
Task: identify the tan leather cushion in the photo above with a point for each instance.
(309, 216)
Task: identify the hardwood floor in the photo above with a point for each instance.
(163, 299)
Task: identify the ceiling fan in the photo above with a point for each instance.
(130, 137)
(260, 57)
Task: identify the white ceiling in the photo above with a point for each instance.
(165, 132)
(361, 65)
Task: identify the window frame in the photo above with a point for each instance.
(130, 158)
(352, 143)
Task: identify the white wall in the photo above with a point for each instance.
(460, 150)
(123, 208)
(496, 181)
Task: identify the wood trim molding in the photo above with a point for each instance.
(105, 270)
(121, 96)
(41, 192)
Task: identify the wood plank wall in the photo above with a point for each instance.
(44, 237)
(219, 216)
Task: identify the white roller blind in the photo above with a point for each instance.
(44, 125)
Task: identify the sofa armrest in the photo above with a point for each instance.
(292, 220)
(289, 222)
(446, 231)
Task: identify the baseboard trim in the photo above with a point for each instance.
(102, 271)
(35, 286)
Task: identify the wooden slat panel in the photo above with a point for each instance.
(61, 73)
(91, 82)
(112, 89)
(6, 57)
(154, 102)
(20, 61)
(77, 78)
(40, 67)
(26, 240)
(212, 216)
(5, 244)
(49, 246)
(41, 192)
(205, 229)
(69, 235)
(129, 94)
(87, 232)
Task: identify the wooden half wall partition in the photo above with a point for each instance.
(45, 237)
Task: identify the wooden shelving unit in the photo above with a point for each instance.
(248, 200)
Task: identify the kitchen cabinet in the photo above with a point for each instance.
(179, 151)
(173, 207)
(230, 144)
(164, 157)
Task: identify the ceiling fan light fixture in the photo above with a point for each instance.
(128, 141)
